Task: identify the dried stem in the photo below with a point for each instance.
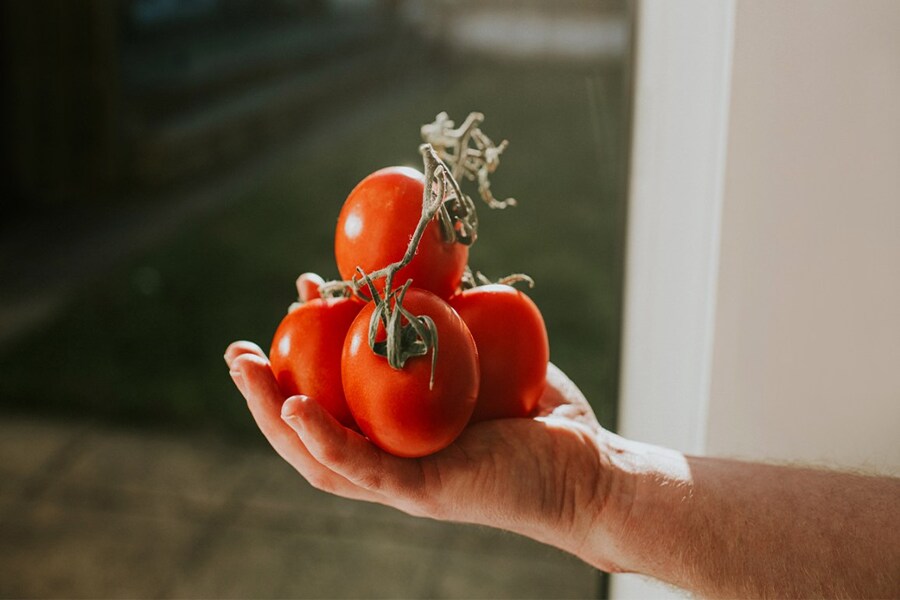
(473, 279)
(442, 198)
(419, 334)
(440, 189)
(452, 144)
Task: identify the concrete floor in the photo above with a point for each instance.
(94, 511)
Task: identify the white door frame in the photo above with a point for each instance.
(683, 55)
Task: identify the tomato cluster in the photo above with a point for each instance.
(477, 354)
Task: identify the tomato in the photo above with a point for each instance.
(513, 349)
(396, 408)
(374, 229)
(306, 352)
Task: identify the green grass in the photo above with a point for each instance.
(144, 345)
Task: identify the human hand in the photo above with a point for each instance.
(714, 526)
(546, 477)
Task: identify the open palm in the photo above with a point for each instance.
(534, 476)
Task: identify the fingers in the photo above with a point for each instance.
(559, 380)
(238, 348)
(553, 395)
(330, 456)
(400, 482)
(254, 378)
(308, 286)
(562, 399)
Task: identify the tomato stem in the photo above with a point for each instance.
(337, 289)
(475, 279)
(441, 189)
(514, 278)
(447, 156)
(453, 147)
(402, 340)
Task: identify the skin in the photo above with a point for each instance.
(715, 527)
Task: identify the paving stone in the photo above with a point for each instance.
(283, 490)
(27, 445)
(145, 514)
(286, 503)
(409, 532)
(469, 561)
(32, 453)
(9, 498)
(151, 474)
(485, 574)
(57, 551)
(469, 539)
(253, 563)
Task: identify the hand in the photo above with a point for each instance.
(546, 477)
(714, 526)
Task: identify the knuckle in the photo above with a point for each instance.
(371, 480)
(332, 454)
(432, 505)
(420, 502)
(320, 481)
(419, 505)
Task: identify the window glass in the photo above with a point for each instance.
(175, 164)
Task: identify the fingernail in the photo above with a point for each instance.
(295, 423)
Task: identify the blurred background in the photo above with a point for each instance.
(172, 166)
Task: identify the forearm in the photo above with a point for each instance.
(728, 528)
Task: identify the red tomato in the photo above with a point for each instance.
(306, 352)
(513, 349)
(374, 229)
(396, 408)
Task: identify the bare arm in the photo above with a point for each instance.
(725, 528)
(715, 527)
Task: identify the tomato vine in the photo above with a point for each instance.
(475, 279)
(449, 154)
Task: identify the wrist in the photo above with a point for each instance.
(633, 529)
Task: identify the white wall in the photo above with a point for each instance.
(807, 336)
(675, 188)
(762, 300)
